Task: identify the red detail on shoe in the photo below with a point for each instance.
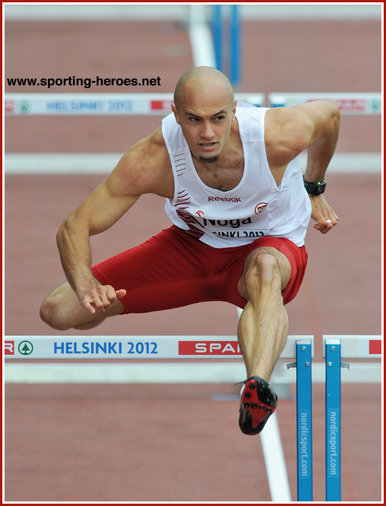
(259, 411)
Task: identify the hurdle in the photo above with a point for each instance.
(349, 103)
(129, 347)
(335, 348)
(112, 104)
(300, 348)
(159, 104)
(229, 63)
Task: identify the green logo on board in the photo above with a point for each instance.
(25, 348)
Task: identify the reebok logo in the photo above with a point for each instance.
(224, 199)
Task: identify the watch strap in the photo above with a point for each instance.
(316, 188)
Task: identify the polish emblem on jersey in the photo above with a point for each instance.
(260, 207)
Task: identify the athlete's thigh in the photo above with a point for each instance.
(169, 270)
(282, 261)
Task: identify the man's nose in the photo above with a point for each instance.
(207, 131)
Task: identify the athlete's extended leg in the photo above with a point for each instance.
(262, 332)
(263, 324)
(62, 310)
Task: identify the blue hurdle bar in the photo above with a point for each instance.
(333, 420)
(217, 29)
(304, 420)
(234, 45)
(232, 64)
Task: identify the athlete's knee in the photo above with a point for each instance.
(51, 312)
(263, 272)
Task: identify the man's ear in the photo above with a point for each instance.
(175, 112)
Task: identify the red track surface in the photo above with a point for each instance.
(174, 442)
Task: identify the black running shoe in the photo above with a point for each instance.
(257, 404)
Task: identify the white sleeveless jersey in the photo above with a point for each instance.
(255, 208)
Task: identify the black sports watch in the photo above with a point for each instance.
(315, 188)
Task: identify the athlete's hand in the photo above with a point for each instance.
(323, 214)
(101, 297)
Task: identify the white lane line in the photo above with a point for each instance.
(200, 37)
(103, 163)
(275, 461)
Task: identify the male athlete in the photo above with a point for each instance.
(239, 206)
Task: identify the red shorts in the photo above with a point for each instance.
(173, 269)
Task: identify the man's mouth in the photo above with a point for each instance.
(207, 146)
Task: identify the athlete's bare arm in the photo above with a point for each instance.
(145, 168)
(314, 127)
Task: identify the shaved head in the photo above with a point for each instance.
(197, 81)
(205, 109)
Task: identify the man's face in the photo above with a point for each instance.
(206, 120)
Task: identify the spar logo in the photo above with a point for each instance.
(260, 207)
(213, 348)
(25, 348)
